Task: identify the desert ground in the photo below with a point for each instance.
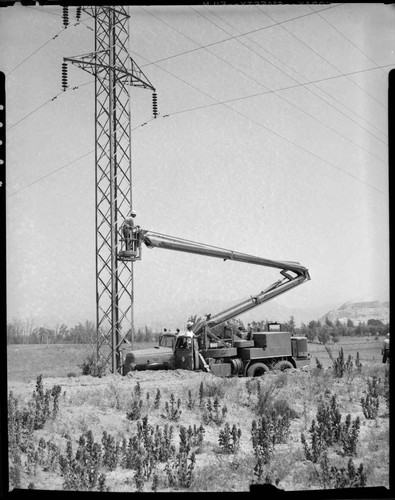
(190, 431)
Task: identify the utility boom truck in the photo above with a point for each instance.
(199, 348)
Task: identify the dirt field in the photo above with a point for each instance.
(102, 404)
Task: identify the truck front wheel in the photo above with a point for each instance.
(283, 365)
(257, 370)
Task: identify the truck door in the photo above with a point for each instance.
(183, 354)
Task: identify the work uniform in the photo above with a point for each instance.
(127, 228)
(386, 350)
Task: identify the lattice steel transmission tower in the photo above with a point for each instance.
(114, 71)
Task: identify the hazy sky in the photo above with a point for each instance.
(274, 143)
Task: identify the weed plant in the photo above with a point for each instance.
(111, 451)
(81, 472)
(328, 430)
(213, 412)
(332, 476)
(370, 403)
(191, 402)
(191, 438)
(229, 438)
(180, 470)
(94, 366)
(157, 399)
(136, 409)
(173, 409)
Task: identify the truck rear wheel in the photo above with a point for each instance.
(283, 365)
(257, 370)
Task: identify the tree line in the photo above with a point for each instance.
(25, 332)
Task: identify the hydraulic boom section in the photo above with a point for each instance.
(293, 273)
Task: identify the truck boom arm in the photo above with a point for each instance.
(293, 273)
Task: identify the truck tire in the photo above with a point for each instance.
(257, 370)
(283, 365)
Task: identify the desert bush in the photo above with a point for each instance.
(144, 468)
(111, 451)
(135, 410)
(213, 412)
(163, 448)
(31, 460)
(137, 390)
(370, 403)
(92, 365)
(173, 409)
(339, 366)
(22, 422)
(262, 441)
(332, 476)
(229, 438)
(215, 388)
(272, 428)
(102, 483)
(179, 471)
(145, 432)
(349, 435)
(265, 395)
(81, 472)
(155, 482)
(201, 394)
(328, 430)
(157, 399)
(191, 402)
(15, 472)
(51, 461)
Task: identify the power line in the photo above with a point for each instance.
(322, 57)
(43, 10)
(67, 164)
(236, 36)
(47, 102)
(35, 52)
(201, 107)
(299, 84)
(51, 173)
(272, 131)
(260, 93)
(290, 102)
(344, 36)
(307, 83)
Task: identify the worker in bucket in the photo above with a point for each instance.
(385, 351)
(127, 228)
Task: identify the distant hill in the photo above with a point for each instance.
(360, 312)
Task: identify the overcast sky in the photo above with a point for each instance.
(271, 140)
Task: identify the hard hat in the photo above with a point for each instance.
(189, 324)
(133, 213)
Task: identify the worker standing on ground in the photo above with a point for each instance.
(127, 230)
(249, 331)
(385, 351)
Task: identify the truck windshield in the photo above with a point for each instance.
(167, 341)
